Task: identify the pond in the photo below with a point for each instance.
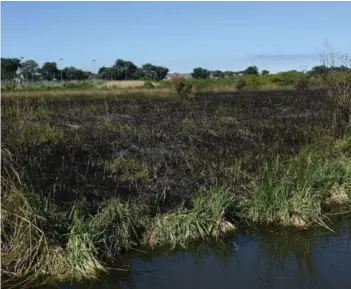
(268, 259)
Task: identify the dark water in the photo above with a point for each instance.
(254, 260)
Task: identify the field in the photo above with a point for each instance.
(98, 173)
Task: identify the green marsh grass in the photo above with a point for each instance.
(292, 190)
(118, 225)
(30, 253)
(208, 218)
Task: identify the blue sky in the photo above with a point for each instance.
(179, 35)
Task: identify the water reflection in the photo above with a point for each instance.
(257, 260)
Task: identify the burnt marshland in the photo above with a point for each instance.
(85, 179)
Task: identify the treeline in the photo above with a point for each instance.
(127, 70)
(29, 69)
(121, 70)
(202, 73)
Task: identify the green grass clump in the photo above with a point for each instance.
(128, 169)
(292, 191)
(81, 250)
(11, 112)
(344, 145)
(207, 219)
(30, 255)
(42, 113)
(112, 126)
(118, 225)
(34, 133)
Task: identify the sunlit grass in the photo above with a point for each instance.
(208, 218)
(292, 191)
(30, 255)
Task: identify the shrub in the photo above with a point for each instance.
(183, 88)
(277, 80)
(255, 81)
(241, 84)
(302, 83)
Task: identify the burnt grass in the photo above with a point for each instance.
(155, 150)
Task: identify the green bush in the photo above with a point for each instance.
(183, 88)
(241, 84)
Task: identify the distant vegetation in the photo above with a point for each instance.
(121, 70)
(127, 70)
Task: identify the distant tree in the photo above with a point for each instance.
(151, 72)
(161, 72)
(69, 73)
(200, 72)
(105, 73)
(88, 75)
(265, 72)
(229, 74)
(72, 73)
(147, 71)
(341, 68)
(251, 70)
(9, 67)
(139, 74)
(102, 69)
(124, 70)
(218, 74)
(319, 70)
(49, 70)
(29, 68)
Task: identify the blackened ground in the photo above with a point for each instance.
(156, 150)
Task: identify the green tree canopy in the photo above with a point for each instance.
(319, 70)
(149, 71)
(49, 70)
(29, 68)
(105, 73)
(124, 70)
(72, 73)
(251, 70)
(9, 67)
(218, 74)
(200, 72)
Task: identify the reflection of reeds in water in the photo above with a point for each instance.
(280, 250)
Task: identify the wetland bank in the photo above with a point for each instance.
(92, 177)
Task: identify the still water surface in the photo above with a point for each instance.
(251, 260)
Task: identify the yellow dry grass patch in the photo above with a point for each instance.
(123, 83)
(338, 196)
